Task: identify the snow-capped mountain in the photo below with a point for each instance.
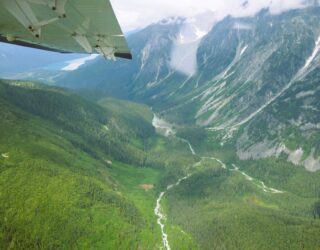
(186, 43)
(252, 81)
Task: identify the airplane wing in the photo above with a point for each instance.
(67, 26)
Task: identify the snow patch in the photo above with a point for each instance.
(312, 57)
(304, 94)
(145, 55)
(243, 50)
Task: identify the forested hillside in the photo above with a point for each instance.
(71, 171)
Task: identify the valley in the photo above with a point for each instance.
(251, 75)
(67, 172)
(159, 174)
(135, 189)
(208, 139)
(167, 129)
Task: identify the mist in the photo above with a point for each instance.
(138, 14)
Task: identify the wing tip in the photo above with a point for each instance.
(123, 55)
(3, 39)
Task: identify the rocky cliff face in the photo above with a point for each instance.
(254, 80)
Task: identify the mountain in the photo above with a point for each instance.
(246, 99)
(222, 154)
(233, 77)
(79, 173)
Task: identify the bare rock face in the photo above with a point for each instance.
(258, 74)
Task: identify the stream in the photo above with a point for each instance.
(167, 130)
(160, 214)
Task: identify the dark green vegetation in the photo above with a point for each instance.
(71, 171)
(72, 168)
(222, 209)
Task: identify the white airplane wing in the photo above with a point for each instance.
(67, 26)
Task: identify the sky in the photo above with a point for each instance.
(136, 14)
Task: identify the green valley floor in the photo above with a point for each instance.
(81, 173)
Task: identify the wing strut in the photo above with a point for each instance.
(64, 16)
(22, 11)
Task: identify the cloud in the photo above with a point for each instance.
(140, 13)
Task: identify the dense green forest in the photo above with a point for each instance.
(224, 209)
(83, 173)
(71, 171)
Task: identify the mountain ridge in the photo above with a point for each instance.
(223, 157)
(245, 65)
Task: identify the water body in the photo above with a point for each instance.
(163, 126)
(168, 130)
(259, 184)
(158, 211)
(189, 145)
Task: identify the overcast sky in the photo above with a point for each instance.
(134, 14)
